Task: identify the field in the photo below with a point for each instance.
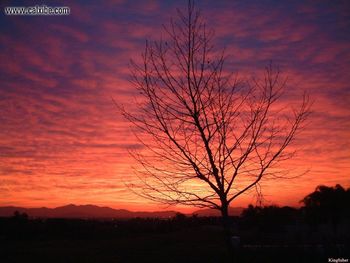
(155, 240)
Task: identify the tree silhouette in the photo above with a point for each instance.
(208, 136)
(326, 204)
(271, 218)
(21, 217)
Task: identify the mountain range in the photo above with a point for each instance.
(92, 211)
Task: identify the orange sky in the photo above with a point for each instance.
(63, 141)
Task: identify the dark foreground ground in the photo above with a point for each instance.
(155, 240)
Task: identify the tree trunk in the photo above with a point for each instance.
(227, 232)
(226, 223)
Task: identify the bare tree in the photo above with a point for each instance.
(208, 137)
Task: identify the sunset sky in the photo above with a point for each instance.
(62, 139)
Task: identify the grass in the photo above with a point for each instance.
(188, 245)
(191, 244)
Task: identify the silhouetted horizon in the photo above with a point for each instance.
(95, 211)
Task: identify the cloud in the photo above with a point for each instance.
(75, 34)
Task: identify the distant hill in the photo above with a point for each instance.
(82, 211)
(93, 211)
(233, 211)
